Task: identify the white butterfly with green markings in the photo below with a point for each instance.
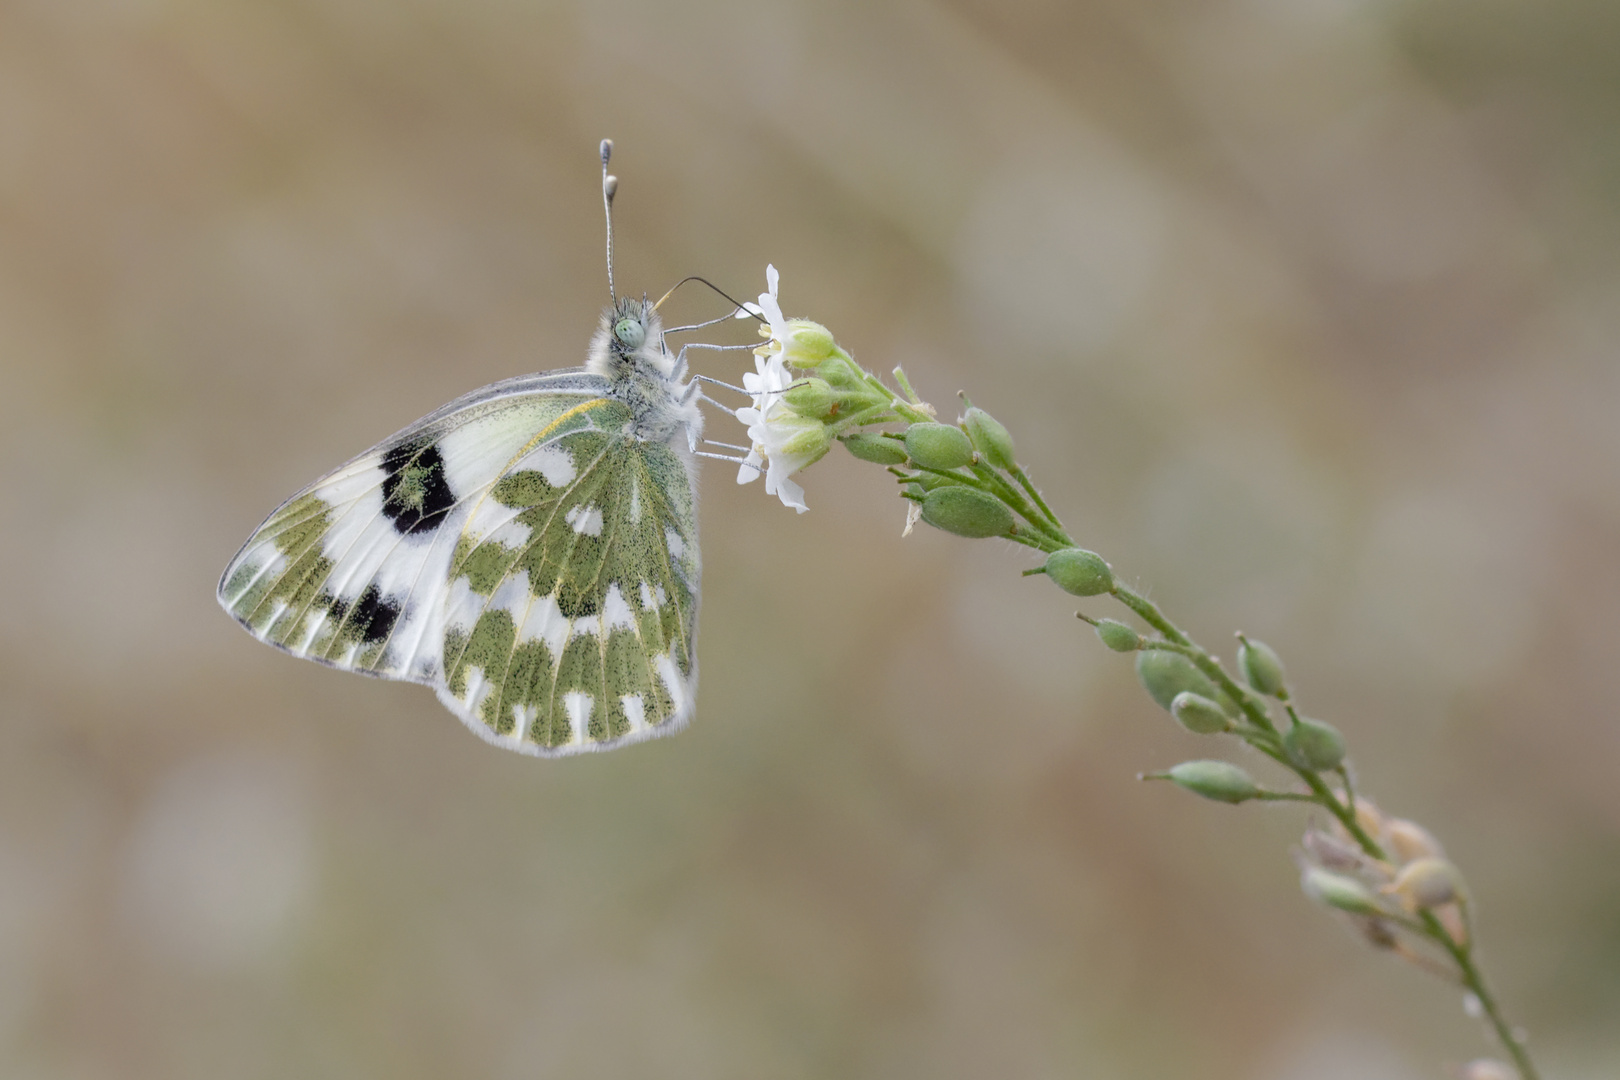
(528, 550)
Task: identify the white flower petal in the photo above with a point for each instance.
(771, 424)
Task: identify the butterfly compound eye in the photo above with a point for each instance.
(630, 332)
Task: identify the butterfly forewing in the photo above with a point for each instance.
(520, 550)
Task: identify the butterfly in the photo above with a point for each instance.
(529, 550)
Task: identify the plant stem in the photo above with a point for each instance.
(1260, 731)
(1468, 972)
(1463, 956)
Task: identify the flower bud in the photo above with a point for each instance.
(938, 446)
(1080, 572)
(1262, 668)
(1311, 744)
(810, 397)
(1218, 780)
(810, 440)
(1486, 1069)
(874, 448)
(1164, 674)
(1198, 714)
(1117, 636)
(1427, 883)
(989, 438)
(839, 373)
(966, 511)
(1408, 841)
(1339, 891)
(808, 344)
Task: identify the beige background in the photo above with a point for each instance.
(1304, 312)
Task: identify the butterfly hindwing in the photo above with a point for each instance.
(571, 624)
(520, 550)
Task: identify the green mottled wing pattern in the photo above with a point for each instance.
(522, 550)
(571, 622)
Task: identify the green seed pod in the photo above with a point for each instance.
(1164, 674)
(1218, 780)
(989, 438)
(1262, 668)
(938, 446)
(1339, 891)
(810, 397)
(1427, 883)
(1118, 636)
(874, 448)
(966, 511)
(1198, 714)
(926, 482)
(1080, 572)
(1311, 744)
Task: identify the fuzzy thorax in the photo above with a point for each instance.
(628, 350)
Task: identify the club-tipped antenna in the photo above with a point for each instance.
(610, 184)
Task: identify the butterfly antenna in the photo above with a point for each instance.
(610, 184)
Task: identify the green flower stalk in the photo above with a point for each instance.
(1387, 877)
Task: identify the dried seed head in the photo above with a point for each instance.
(1332, 852)
(1451, 918)
(1409, 840)
(1426, 883)
(1370, 818)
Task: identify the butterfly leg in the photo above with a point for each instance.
(716, 382)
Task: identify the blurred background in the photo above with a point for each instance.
(1304, 313)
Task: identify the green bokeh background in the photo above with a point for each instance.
(1304, 313)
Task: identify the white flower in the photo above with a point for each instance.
(768, 308)
(802, 343)
(783, 441)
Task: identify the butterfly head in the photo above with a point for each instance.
(631, 320)
(629, 342)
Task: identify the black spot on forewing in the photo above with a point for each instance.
(370, 620)
(416, 495)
